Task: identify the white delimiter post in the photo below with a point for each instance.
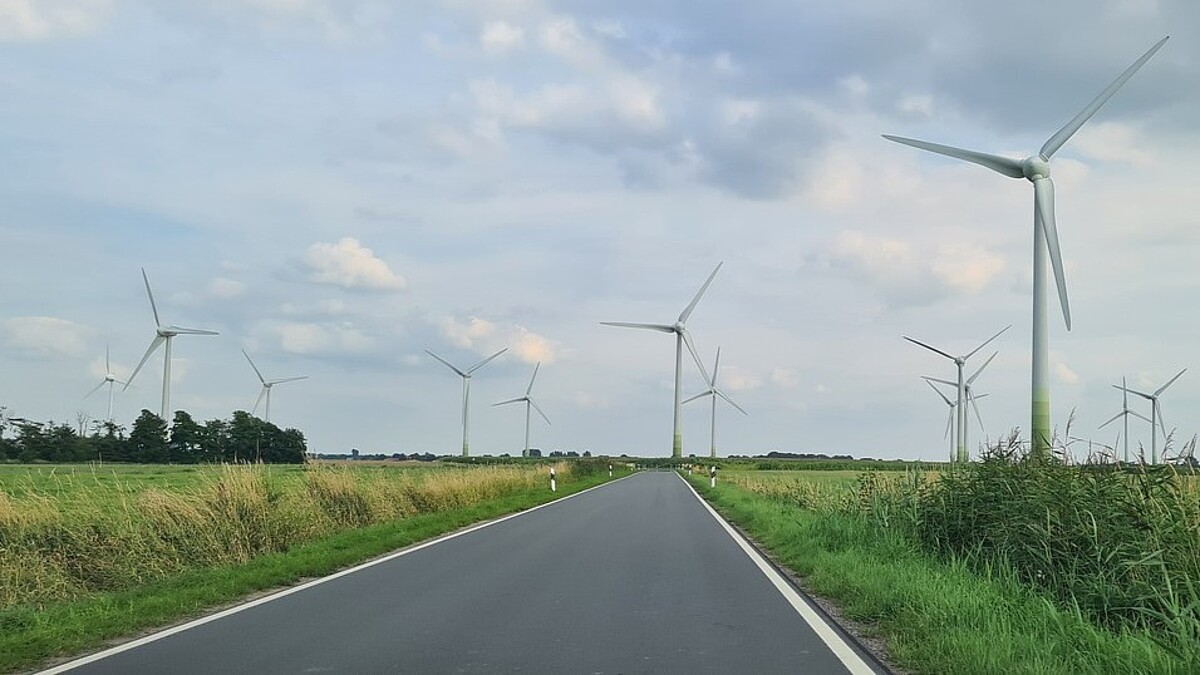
(553, 484)
(712, 477)
(610, 470)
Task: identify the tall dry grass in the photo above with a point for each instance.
(67, 543)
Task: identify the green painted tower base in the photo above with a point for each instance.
(677, 447)
(1041, 431)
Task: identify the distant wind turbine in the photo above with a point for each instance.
(528, 400)
(960, 408)
(1036, 169)
(969, 397)
(714, 393)
(466, 408)
(163, 335)
(267, 385)
(682, 337)
(109, 379)
(1125, 413)
(1155, 412)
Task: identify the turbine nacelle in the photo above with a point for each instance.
(1036, 167)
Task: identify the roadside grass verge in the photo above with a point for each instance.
(33, 632)
(935, 615)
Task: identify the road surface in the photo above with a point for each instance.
(635, 576)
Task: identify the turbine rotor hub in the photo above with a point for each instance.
(1035, 167)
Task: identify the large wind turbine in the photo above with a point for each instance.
(528, 399)
(267, 385)
(109, 379)
(163, 335)
(1155, 412)
(682, 337)
(1126, 412)
(949, 414)
(466, 376)
(1036, 169)
(968, 396)
(960, 407)
(714, 393)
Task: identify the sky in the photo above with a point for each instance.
(337, 186)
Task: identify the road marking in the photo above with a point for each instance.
(154, 637)
(832, 639)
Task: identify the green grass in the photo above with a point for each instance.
(34, 632)
(936, 615)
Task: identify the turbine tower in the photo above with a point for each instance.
(466, 376)
(109, 379)
(960, 407)
(528, 400)
(714, 393)
(267, 385)
(163, 335)
(1125, 412)
(1155, 412)
(1036, 169)
(969, 396)
(682, 337)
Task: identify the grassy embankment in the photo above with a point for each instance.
(90, 555)
(1002, 567)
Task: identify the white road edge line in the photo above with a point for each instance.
(832, 639)
(154, 637)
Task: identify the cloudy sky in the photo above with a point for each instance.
(338, 185)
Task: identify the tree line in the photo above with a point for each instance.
(243, 438)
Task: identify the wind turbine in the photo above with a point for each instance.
(1126, 412)
(960, 408)
(528, 399)
(968, 396)
(949, 418)
(267, 385)
(163, 335)
(714, 393)
(682, 337)
(1155, 412)
(109, 379)
(466, 376)
(1036, 169)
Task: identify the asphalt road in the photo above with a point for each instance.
(635, 576)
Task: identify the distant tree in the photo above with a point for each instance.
(187, 440)
(148, 439)
(353, 453)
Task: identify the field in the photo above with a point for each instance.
(1001, 566)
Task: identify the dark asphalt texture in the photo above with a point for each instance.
(633, 577)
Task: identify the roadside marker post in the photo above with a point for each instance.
(610, 469)
(712, 477)
(553, 484)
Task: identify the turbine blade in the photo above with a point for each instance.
(932, 349)
(1140, 416)
(256, 370)
(484, 362)
(971, 379)
(716, 367)
(150, 294)
(286, 379)
(683, 316)
(660, 327)
(940, 381)
(985, 342)
(446, 363)
(107, 367)
(949, 424)
(158, 340)
(687, 340)
(180, 330)
(539, 411)
(1005, 165)
(529, 389)
(1162, 425)
(939, 392)
(730, 402)
(975, 407)
(1170, 382)
(696, 397)
(511, 400)
(1112, 419)
(1062, 135)
(1144, 395)
(96, 388)
(1043, 192)
(261, 392)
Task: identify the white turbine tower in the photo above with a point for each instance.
(969, 397)
(109, 379)
(714, 393)
(466, 376)
(682, 337)
(528, 400)
(267, 385)
(960, 408)
(1155, 412)
(163, 335)
(1126, 412)
(1036, 169)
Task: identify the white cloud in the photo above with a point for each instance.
(226, 288)
(855, 85)
(920, 105)
(1113, 142)
(22, 20)
(1064, 374)
(485, 337)
(349, 264)
(908, 275)
(966, 267)
(739, 379)
(311, 338)
(47, 335)
(468, 334)
(785, 378)
(499, 37)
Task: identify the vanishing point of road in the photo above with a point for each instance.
(636, 576)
